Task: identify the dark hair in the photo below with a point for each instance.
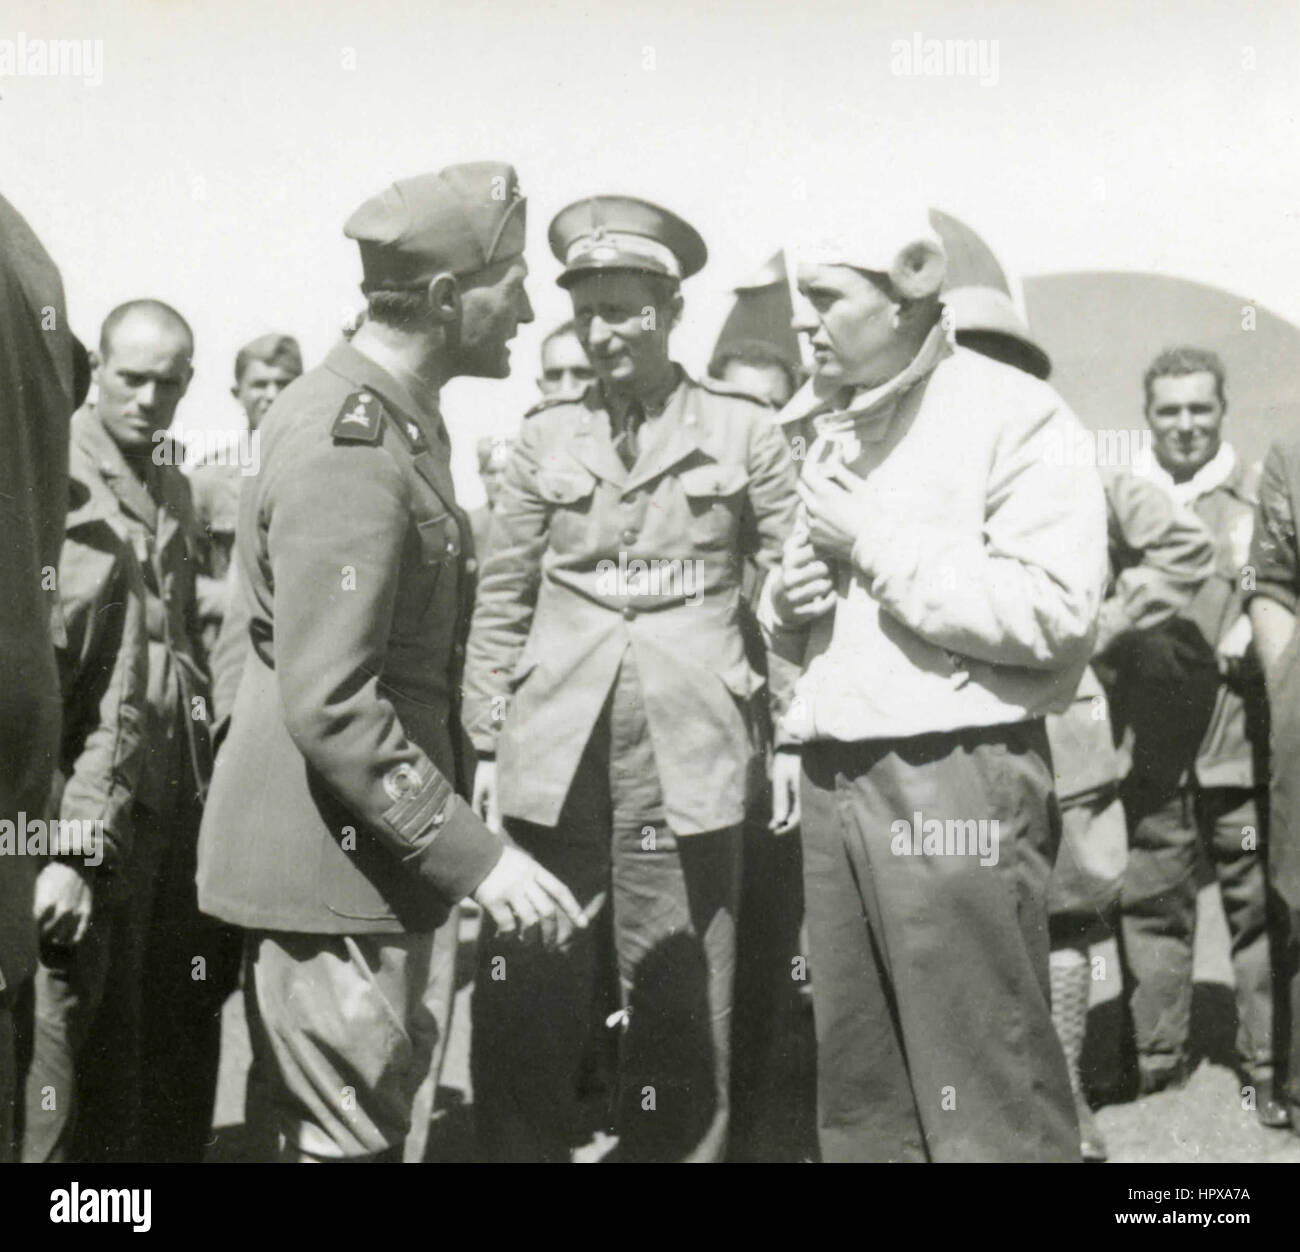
(753, 352)
(155, 308)
(402, 310)
(1179, 362)
(281, 350)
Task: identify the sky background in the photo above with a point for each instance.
(229, 140)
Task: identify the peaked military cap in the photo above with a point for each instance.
(621, 233)
(459, 220)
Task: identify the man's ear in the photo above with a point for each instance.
(189, 378)
(675, 307)
(96, 364)
(444, 297)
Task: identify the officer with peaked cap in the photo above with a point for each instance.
(335, 833)
(611, 702)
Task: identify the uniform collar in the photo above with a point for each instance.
(860, 408)
(132, 492)
(652, 406)
(409, 396)
(431, 453)
(665, 442)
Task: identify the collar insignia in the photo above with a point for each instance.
(361, 419)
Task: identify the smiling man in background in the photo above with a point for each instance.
(1196, 787)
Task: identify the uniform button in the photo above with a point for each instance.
(439, 818)
(471, 566)
(629, 613)
(451, 547)
(629, 536)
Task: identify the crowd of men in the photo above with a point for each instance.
(831, 683)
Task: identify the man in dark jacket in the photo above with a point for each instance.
(335, 834)
(36, 381)
(1273, 601)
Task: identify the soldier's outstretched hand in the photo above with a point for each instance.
(529, 902)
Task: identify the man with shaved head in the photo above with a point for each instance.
(162, 1004)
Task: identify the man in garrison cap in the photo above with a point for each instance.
(941, 589)
(264, 367)
(611, 704)
(335, 832)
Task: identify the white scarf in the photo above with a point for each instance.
(1214, 473)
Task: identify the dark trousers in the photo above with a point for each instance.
(1159, 920)
(151, 1058)
(929, 970)
(62, 1003)
(8, 1083)
(1288, 1004)
(773, 1077)
(667, 907)
(1165, 683)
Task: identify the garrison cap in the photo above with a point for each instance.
(620, 233)
(281, 350)
(459, 220)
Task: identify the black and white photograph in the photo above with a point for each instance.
(650, 583)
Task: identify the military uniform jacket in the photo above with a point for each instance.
(333, 806)
(164, 535)
(587, 560)
(215, 488)
(1275, 558)
(1231, 752)
(103, 662)
(1160, 555)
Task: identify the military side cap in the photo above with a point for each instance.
(460, 220)
(620, 233)
(278, 350)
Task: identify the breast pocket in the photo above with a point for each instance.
(715, 496)
(440, 546)
(569, 494)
